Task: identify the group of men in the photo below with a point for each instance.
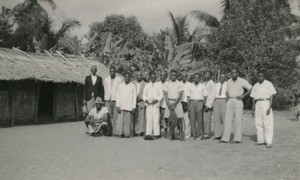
(187, 106)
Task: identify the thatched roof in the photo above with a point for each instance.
(18, 65)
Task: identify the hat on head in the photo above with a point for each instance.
(99, 101)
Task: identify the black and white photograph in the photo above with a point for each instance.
(149, 89)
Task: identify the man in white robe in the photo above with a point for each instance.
(152, 96)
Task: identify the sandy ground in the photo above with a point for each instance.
(63, 151)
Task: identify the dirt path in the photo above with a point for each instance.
(63, 151)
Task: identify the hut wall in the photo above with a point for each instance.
(5, 111)
(65, 108)
(24, 101)
(80, 100)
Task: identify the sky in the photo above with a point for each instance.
(152, 14)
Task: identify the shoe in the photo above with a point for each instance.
(221, 141)
(235, 142)
(217, 138)
(268, 146)
(259, 144)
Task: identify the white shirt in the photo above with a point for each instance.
(153, 91)
(126, 96)
(197, 92)
(111, 87)
(223, 93)
(94, 79)
(210, 89)
(186, 87)
(263, 91)
(162, 101)
(98, 115)
(173, 89)
(236, 88)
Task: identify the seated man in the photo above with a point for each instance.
(97, 119)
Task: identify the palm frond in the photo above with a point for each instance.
(51, 3)
(175, 27)
(209, 20)
(67, 26)
(225, 4)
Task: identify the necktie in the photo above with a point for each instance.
(220, 92)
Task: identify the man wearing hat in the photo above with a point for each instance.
(97, 119)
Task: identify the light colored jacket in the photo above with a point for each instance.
(110, 90)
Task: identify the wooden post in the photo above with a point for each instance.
(76, 102)
(37, 93)
(54, 102)
(12, 100)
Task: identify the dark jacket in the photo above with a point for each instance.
(89, 88)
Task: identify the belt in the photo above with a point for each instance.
(262, 99)
(110, 100)
(196, 100)
(220, 98)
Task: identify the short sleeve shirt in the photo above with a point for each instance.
(173, 89)
(263, 90)
(236, 88)
(98, 115)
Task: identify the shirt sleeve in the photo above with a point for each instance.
(227, 87)
(252, 94)
(134, 97)
(272, 90)
(164, 87)
(181, 87)
(211, 95)
(91, 113)
(105, 110)
(204, 91)
(145, 93)
(118, 95)
(160, 93)
(246, 84)
(186, 90)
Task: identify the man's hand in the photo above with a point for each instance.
(173, 106)
(154, 101)
(268, 111)
(206, 109)
(119, 110)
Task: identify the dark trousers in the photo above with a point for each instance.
(196, 117)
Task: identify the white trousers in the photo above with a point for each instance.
(187, 125)
(263, 122)
(152, 121)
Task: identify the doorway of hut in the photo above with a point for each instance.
(45, 106)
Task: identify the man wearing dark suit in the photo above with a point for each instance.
(93, 88)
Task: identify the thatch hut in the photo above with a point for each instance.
(36, 88)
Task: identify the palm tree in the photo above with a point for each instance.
(31, 18)
(180, 28)
(280, 6)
